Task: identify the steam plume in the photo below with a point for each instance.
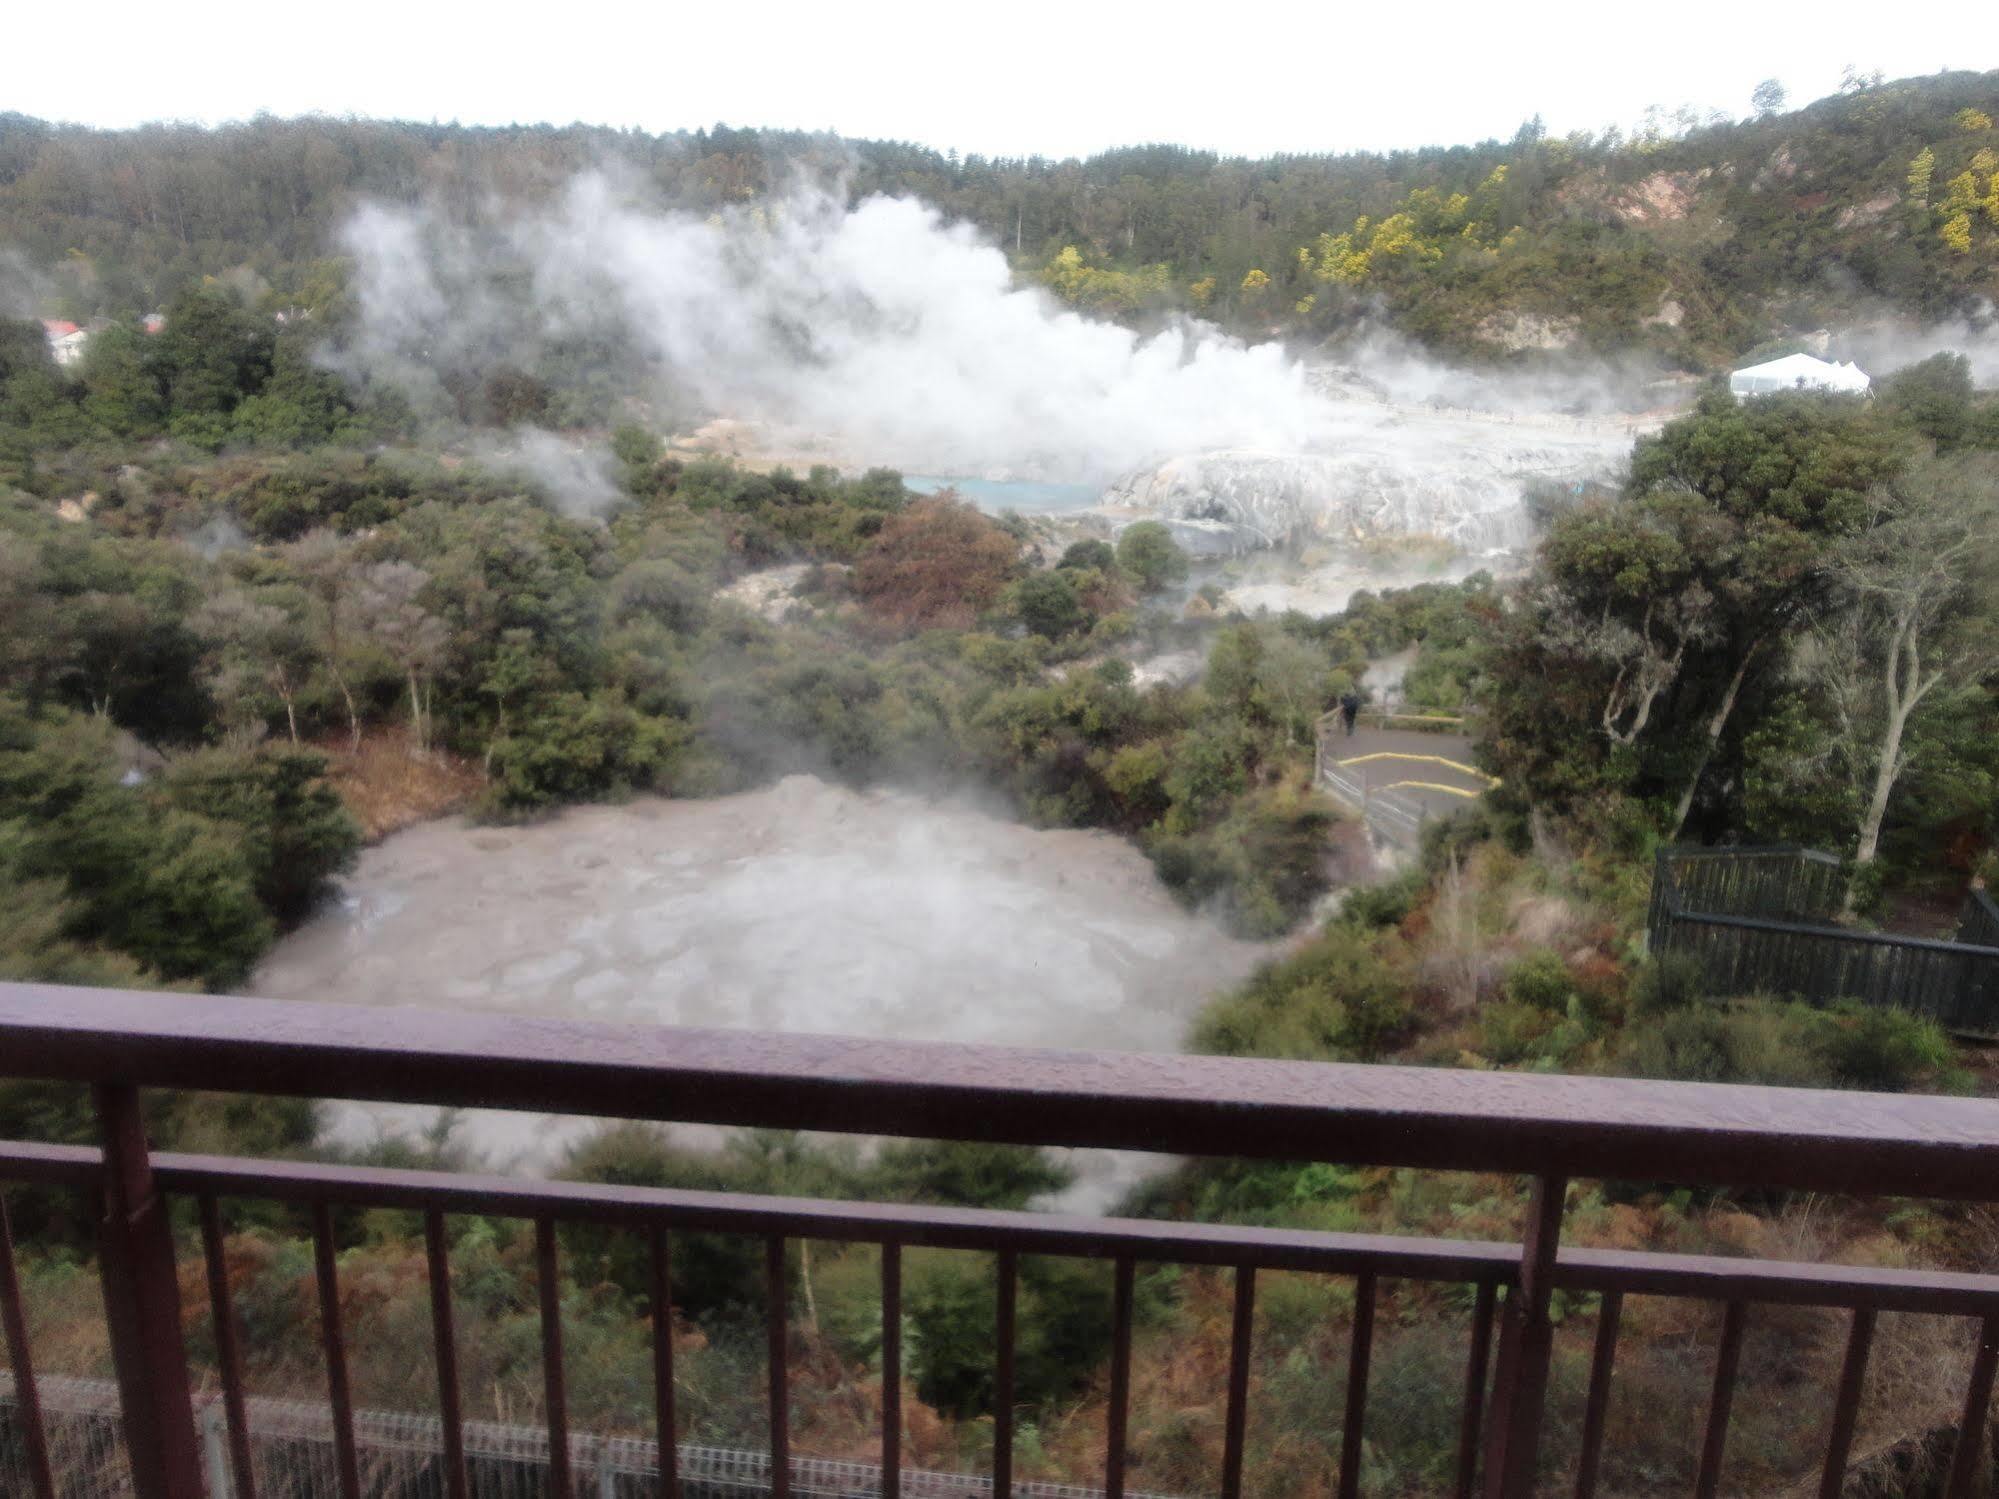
(881, 325)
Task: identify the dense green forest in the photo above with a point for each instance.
(1692, 239)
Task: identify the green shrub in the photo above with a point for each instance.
(1540, 980)
(1340, 999)
(174, 890)
(716, 1277)
(1264, 862)
(1670, 981)
(296, 835)
(1795, 1045)
(1086, 555)
(1148, 552)
(1511, 1032)
(1049, 605)
(965, 1173)
(1386, 904)
(1881, 1049)
(1453, 838)
(582, 748)
(1063, 1328)
(948, 1305)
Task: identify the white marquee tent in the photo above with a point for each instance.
(1798, 372)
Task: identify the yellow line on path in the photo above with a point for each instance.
(1470, 770)
(1428, 786)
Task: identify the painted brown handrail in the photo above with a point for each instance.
(1690, 1133)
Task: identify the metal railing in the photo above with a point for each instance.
(1548, 1129)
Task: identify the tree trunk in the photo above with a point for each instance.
(805, 1279)
(1903, 693)
(1714, 727)
(499, 733)
(353, 714)
(1885, 774)
(419, 739)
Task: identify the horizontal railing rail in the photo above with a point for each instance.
(1391, 1256)
(1851, 936)
(1694, 1134)
(1548, 1129)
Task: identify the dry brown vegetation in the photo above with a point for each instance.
(386, 787)
(937, 564)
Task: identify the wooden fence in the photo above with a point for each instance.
(1978, 923)
(1756, 921)
(1781, 882)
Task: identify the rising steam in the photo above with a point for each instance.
(882, 326)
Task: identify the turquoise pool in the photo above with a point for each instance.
(993, 495)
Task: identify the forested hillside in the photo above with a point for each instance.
(1697, 241)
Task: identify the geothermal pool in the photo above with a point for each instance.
(997, 495)
(803, 907)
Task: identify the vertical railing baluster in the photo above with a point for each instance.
(228, 1349)
(1715, 1443)
(326, 1273)
(548, 1286)
(1240, 1336)
(662, 1366)
(1360, 1352)
(1526, 1342)
(1120, 1398)
(891, 1487)
(27, 1398)
(1602, 1365)
(444, 1342)
(1846, 1405)
(1477, 1360)
(1007, 1280)
(142, 1306)
(1965, 1461)
(778, 1333)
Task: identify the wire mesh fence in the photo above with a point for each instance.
(402, 1457)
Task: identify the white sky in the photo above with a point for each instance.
(1058, 79)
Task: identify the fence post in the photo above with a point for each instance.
(142, 1307)
(1526, 1343)
(215, 1466)
(1654, 925)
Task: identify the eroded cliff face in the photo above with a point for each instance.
(1453, 478)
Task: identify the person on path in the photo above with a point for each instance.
(1349, 711)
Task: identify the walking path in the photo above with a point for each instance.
(1398, 778)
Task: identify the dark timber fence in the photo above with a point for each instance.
(1978, 923)
(1757, 920)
